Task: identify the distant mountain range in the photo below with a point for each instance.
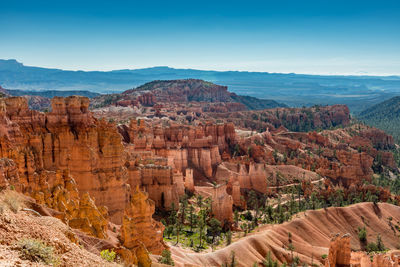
(358, 92)
(49, 93)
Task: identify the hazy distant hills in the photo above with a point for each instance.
(51, 93)
(358, 92)
(385, 115)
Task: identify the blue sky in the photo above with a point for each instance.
(327, 37)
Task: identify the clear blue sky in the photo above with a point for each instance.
(326, 36)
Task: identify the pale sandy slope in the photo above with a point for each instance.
(311, 234)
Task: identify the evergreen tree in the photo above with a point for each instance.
(202, 225)
(200, 201)
(169, 230)
(236, 218)
(269, 262)
(178, 227)
(183, 206)
(192, 217)
(215, 228)
(379, 243)
(228, 237)
(166, 258)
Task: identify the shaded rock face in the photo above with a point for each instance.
(8, 173)
(147, 99)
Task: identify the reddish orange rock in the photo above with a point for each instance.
(67, 138)
(222, 204)
(138, 226)
(339, 252)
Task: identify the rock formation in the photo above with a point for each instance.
(185, 93)
(68, 138)
(74, 164)
(294, 119)
(84, 167)
(222, 204)
(58, 191)
(138, 226)
(339, 252)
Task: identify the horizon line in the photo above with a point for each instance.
(201, 69)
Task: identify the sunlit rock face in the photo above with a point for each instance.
(138, 226)
(67, 138)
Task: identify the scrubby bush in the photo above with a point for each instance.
(372, 247)
(166, 258)
(108, 255)
(37, 251)
(362, 234)
(376, 247)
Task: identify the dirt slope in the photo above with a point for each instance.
(18, 222)
(311, 235)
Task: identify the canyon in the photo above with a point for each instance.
(111, 177)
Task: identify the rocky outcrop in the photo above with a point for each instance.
(164, 160)
(147, 99)
(138, 226)
(159, 182)
(222, 204)
(189, 182)
(352, 167)
(185, 93)
(294, 119)
(224, 107)
(9, 175)
(379, 138)
(46, 150)
(67, 138)
(58, 190)
(339, 252)
(261, 177)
